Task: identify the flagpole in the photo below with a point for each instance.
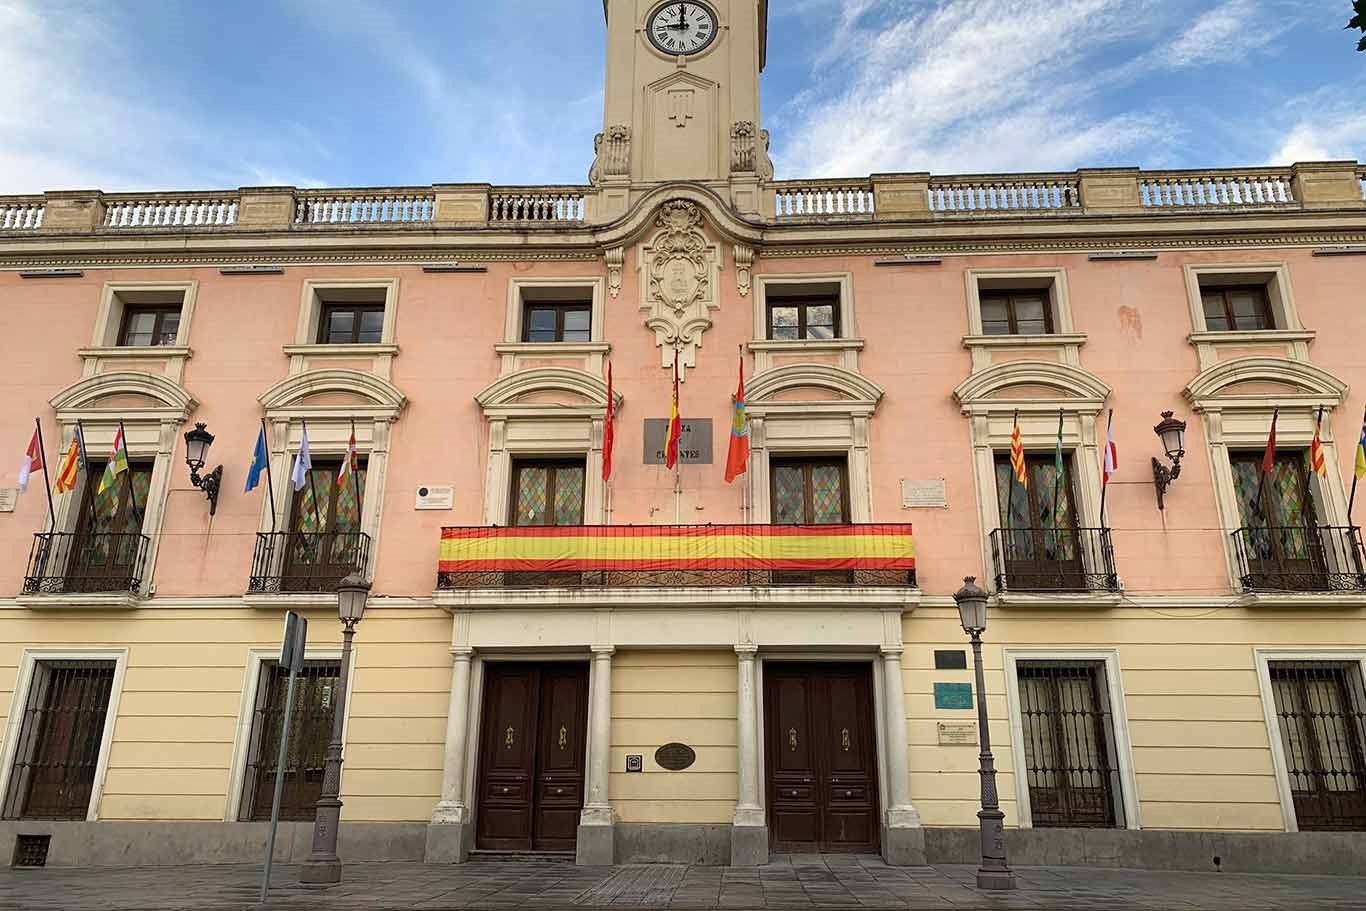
(1104, 462)
(1266, 469)
(85, 466)
(1010, 488)
(132, 492)
(270, 480)
(678, 457)
(351, 468)
(1352, 499)
(1057, 476)
(47, 480)
(312, 483)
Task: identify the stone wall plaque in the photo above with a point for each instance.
(953, 695)
(950, 659)
(930, 493)
(957, 733)
(430, 496)
(9, 498)
(675, 756)
(694, 445)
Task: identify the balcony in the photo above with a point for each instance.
(301, 562)
(670, 556)
(1326, 558)
(86, 563)
(1053, 560)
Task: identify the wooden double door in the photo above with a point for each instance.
(820, 758)
(531, 759)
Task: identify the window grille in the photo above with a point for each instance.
(1322, 720)
(59, 740)
(315, 699)
(31, 850)
(1069, 744)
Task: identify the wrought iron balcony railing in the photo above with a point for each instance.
(1053, 560)
(85, 563)
(300, 562)
(1324, 558)
(631, 556)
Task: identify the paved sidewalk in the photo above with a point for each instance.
(808, 882)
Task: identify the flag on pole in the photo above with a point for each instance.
(737, 457)
(1269, 457)
(675, 424)
(117, 464)
(33, 461)
(1017, 456)
(1111, 453)
(1317, 461)
(350, 463)
(1057, 449)
(258, 461)
(609, 428)
(71, 465)
(303, 462)
(1361, 451)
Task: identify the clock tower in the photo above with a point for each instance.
(681, 100)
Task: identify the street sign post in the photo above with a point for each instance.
(291, 658)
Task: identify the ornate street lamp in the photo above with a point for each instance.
(1172, 433)
(994, 872)
(197, 443)
(323, 867)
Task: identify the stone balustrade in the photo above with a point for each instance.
(21, 213)
(537, 204)
(1013, 194)
(364, 207)
(910, 196)
(1209, 189)
(163, 210)
(804, 198)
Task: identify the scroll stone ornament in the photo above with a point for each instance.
(682, 268)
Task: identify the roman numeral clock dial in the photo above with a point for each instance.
(682, 28)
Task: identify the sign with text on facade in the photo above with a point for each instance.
(432, 496)
(957, 733)
(694, 444)
(931, 493)
(9, 498)
(953, 695)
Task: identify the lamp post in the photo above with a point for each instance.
(994, 872)
(197, 443)
(323, 867)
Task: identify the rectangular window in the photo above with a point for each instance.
(351, 323)
(1016, 312)
(108, 549)
(148, 327)
(1039, 538)
(315, 699)
(1280, 539)
(570, 321)
(1321, 710)
(1236, 307)
(814, 316)
(810, 492)
(60, 736)
(1069, 747)
(326, 543)
(547, 492)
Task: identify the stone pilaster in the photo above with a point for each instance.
(596, 835)
(1327, 185)
(70, 211)
(903, 839)
(452, 823)
(749, 832)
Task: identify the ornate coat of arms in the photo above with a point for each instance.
(681, 268)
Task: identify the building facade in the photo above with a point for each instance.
(663, 665)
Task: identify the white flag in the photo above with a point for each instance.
(303, 462)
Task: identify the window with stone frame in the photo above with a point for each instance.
(810, 491)
(557, 321)
(310, 732)
(1236, 308)
(1016, 312)
(1321, 714)
(325, 542)
(547, 492)
(795, 313)
(149, 326)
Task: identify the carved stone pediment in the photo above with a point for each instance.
(682, 268)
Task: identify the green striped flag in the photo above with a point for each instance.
(117, 464)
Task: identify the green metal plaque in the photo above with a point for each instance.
(953, 695)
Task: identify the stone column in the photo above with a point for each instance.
(749, 830)
(903, 840)
(596, 835)
(451, 823)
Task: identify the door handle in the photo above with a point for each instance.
(564, 736)
(792, 739)
(844, 739)
(508, 737)
(507, 790)
(848, 793)
(559, 791)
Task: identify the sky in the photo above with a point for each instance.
(205, 94)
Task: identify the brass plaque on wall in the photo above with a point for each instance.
(675, 756)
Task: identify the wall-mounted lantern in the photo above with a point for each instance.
(197, 443)
(1172, 433)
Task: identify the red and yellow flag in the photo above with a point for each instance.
(1269, 457)
(737, 457)
(1317, 461)
(609, 428)
(70, 468)
(675, 424)
(1017, 456)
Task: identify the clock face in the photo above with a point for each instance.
(682, 28)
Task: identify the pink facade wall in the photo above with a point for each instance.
(1134, 313)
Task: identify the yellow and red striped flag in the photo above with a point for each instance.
(1317, 461)
(1017, 456)
(71, 466)
(675, 424)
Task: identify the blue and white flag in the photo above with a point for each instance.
(303, 462)
(258, 461)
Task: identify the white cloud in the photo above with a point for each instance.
(1230, 31)
(1327, 125)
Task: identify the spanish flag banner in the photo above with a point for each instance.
(551, 548)
(1017, 456)
(675, 424)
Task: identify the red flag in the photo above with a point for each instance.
(33, 461)
(1317, 461)
(737, 458)
(1269, 459)
(675, 424)
(349, 464)
(608, 428)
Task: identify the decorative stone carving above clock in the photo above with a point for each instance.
(680, 269)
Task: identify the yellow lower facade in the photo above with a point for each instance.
(1197, 744)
